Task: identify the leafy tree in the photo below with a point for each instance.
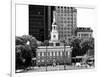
(87, 44)
(23, 56)
(26, 54)
(32, 43)
(25, 49)
(19, 59)
(39, 43)
(46, 43)
(20, 41)
(75, 43)
(63, 41)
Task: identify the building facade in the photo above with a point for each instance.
(84, 33)
(66, 18)
(40, 19)
(49, 55)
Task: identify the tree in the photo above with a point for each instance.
(20, 41)
(32, 40)
(39, 43)
(75, 43)
(87, 44)
(25, 49)
(26, 54)
(23, 56)
(32, 43)
(19, 59)
(46, 43)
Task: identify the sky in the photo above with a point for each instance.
(85, 18)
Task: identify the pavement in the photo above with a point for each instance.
(53, 68)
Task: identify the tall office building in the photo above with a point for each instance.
(66, 18)
(40, 19)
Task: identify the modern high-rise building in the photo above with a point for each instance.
(66, 19)
(40, 19)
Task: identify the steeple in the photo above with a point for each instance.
(54, 32)
(54, 25)
(54, 19)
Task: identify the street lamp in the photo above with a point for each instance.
(46, 43)
(46, 57)
(64, 54)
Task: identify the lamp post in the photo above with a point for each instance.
(64, 54)
(46, 43)
(46, 57)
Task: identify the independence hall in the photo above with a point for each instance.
(55, 53)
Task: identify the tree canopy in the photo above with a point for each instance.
(25, 49)
(87, 44)
(46, 43)
(81, 46)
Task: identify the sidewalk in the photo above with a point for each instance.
(51, 68)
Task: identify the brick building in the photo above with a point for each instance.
(49, 55)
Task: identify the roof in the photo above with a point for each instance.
(83, 29)
(56, 47)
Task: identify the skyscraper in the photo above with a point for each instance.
(40, 19)
(66, 18)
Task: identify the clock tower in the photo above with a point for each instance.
(54, 31)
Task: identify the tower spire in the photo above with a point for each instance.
(54, 32)
(54, 18)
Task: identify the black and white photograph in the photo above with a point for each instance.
(54, 38)
(50, 38)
